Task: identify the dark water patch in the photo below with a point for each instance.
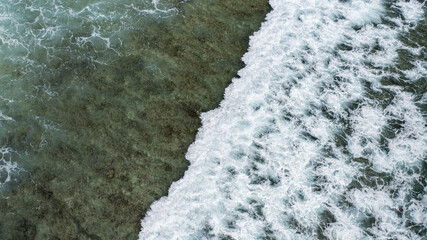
(226, 237)
(326, 218)
(268, 233)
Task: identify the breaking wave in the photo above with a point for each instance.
(322, 136)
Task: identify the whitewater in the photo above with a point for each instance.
(322, 136)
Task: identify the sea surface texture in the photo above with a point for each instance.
(99, 101)
(322, 136)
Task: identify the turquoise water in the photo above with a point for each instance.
(99, 103)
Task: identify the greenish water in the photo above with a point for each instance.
(99, 103)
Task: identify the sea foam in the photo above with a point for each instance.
(7, 166)
(318, 138)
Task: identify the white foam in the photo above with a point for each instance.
(412, 11)
(419, 71)
(5, 117)
(7, 166)
(286, 155)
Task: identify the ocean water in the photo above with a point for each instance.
(99, 102)
(322, 136)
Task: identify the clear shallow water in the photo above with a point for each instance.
(45, 46)
(99, 103)
(322, 136)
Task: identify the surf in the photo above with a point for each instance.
(322, 135)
